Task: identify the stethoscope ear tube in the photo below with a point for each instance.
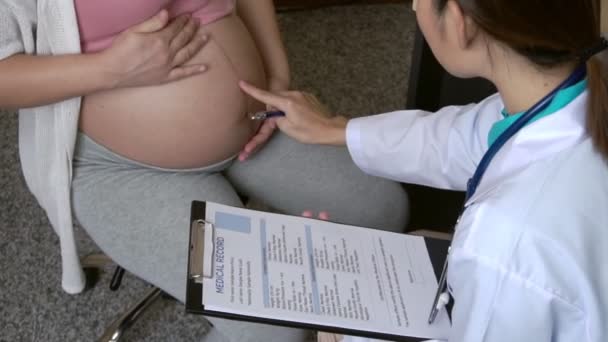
(578, 75)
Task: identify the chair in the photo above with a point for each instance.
(92, 265)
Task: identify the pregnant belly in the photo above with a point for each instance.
(191, 123)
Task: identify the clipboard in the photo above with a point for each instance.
(201, 243)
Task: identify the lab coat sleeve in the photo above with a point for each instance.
(18, 21)
(492, 304)
(439, 149)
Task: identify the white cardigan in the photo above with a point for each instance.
(47, 135)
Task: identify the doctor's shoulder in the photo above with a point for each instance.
(547, 227)
(554, 199)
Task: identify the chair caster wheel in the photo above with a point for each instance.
(92, 276)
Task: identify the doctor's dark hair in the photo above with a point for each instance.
(551, 33)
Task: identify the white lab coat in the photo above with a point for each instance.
(529, 255)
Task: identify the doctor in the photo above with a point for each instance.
(528, 259)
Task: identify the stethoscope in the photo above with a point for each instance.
(442, 296)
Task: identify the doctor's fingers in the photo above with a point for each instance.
(275, 100)
(305, 98)
(320, 107)
(290, 102)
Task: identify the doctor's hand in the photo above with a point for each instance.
(306, 119)
(267, 128)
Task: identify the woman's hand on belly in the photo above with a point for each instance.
(155, 52)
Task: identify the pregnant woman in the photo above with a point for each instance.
(128, 118)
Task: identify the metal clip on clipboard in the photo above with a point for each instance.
(202, 237)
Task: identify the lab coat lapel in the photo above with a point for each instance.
(537, 141)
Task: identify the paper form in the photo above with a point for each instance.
(310, 271)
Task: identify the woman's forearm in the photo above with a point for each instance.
(150, 53)
(260, 18)
(31, 81)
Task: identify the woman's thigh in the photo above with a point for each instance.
(140, 217)
(227, 331)
(292, 177)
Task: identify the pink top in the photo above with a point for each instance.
(100, 21)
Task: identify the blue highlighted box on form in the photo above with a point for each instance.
(232, 222)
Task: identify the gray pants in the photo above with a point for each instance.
(138, 215)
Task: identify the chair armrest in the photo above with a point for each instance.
(432, 234)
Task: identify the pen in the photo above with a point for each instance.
(263, 115)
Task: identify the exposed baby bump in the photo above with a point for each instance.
(190, 123)
(212, 94)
